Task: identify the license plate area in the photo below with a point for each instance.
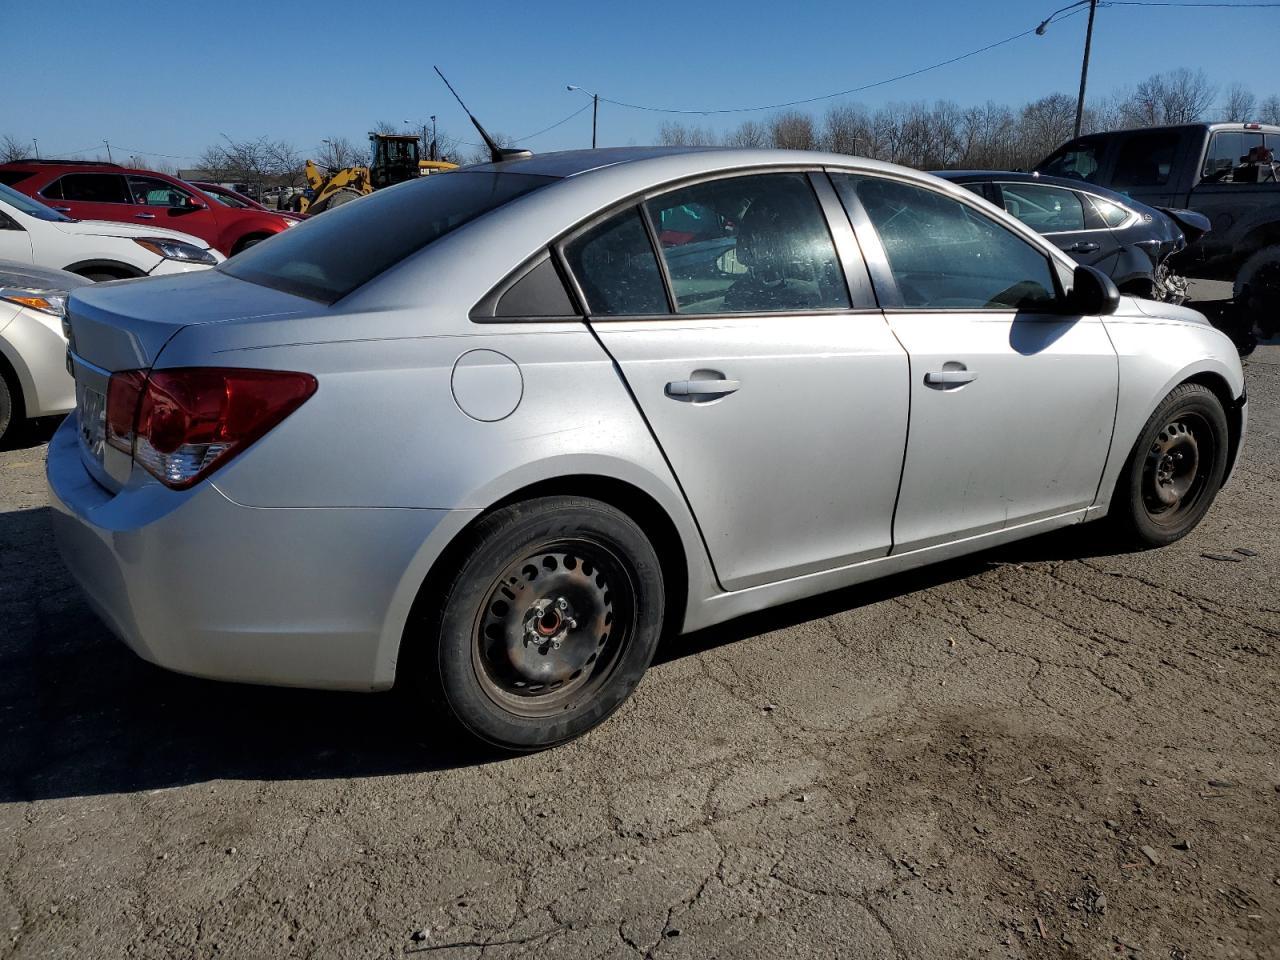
(91, 418)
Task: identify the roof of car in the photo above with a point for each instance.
(570, 163)
(1240, 125)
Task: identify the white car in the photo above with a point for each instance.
(34, 381)
(30, 232)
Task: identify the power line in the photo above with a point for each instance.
(540, 132)
(1157, 3)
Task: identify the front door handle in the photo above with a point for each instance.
(1083, 246)
(144, 216)
(950, 377)
(701, 388)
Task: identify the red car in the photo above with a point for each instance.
(233, 199)
(107, 191)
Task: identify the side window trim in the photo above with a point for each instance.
(862, 295)
(877, 261)
(664, 271)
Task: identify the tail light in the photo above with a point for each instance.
(182, 424)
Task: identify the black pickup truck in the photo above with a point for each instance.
(1226, 171)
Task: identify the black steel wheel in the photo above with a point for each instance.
(1175, 469)
(549, 623)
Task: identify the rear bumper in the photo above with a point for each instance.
(196, 583)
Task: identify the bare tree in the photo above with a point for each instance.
(11, 148)
(1179, 96)
(337, 153)
(1238, 104)
(747, 134)
(1269, 111)
(676, 134)
(1045, 123)
(845, 129)
(258, 161)
(793, 130)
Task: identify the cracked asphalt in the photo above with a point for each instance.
(1049, 750)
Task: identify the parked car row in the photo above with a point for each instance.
(488, 436)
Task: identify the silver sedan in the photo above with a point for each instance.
(488, 436)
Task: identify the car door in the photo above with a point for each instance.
(1012, 402)
(89, 196)
(777, 395)
(1225, 200)
(1065, 219)
(168, 205)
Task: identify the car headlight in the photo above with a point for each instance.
(176, 250)
(52, 302)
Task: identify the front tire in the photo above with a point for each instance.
(1175, 469)
(549, 623)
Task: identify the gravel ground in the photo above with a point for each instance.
(1043, 751)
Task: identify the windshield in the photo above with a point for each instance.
(330, 255)
(31, 208)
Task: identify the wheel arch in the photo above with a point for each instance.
(18, 379)
(252, 236)
(682, 573)
(126, 271)
(1232, 406)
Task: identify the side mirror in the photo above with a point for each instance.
(1092, 293)
(191, 203)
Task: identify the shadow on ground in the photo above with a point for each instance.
(80, 714)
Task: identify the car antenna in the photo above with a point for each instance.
(496, 153)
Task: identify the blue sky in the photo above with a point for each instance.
(158, 77)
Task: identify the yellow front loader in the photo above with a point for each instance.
(394, 160)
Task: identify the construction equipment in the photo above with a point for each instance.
(393, 159)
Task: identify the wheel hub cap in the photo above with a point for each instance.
(1173, 462)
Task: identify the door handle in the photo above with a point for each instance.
(144, 216)
(950, 377)
(63, 209)
(701, 388)
(1083, 246)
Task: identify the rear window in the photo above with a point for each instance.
(10, 177)
(330, 255)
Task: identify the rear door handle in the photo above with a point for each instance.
(950, 377)
(144, 216)
(63, 209)
(701, 388)
(1083, 246)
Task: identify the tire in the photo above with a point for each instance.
(547, 626)
(1257, 290)
(335, 199)
(8, 420)
(247, 242)
(1174, 470)
(98, 276)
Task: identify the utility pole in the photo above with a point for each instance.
(1084, 67)
(109, 160)
(37, 144)
(435, 149)
(595, 115)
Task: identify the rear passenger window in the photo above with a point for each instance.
(616, 268)
(755, 244)
(10, 177)
(90, 188)
(1043, 208)
(1112, 214)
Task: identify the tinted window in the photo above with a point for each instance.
(92, 188)
(10, 177)
(151, 192)
(1044, 209)
(616, 268)
(329, 255)
(1112, 214)
(946, 255)
(1145, 160)
(539, 293)
(32, 208)
(1226, 152)
(1080, 159)
(227, 200)
(754, 244)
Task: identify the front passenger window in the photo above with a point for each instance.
(944, 255)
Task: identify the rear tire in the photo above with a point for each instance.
(1257, 291)
(547, 626)
(1174, 470)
